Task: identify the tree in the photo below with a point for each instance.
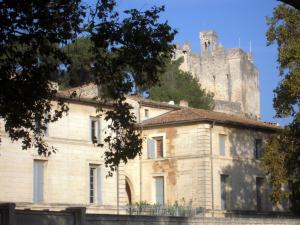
(282, 156)
(177, 85)
(294, 3)
(127, 49)
(30, 35)
(79, 71)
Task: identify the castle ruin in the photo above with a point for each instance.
(229, 73)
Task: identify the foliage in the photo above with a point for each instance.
(282, 157)
(294, 3)
(177, 85)
(30, 34)
(128, 51)
(79, 72)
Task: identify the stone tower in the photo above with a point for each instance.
(229, 73)
(208, 40)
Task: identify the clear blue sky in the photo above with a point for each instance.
(232, 19)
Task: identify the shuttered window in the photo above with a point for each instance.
(38, 181)
(151, 148)
(159, 190)
(155, 147)
(259, 193)
(95, 129)
(95, 185)
(258, 148)
(224, 183)
(159, 147)
(222, 144)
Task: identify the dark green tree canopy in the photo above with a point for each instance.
(126, 50)
(79, 71)
(30, 35)
(282, 156)
(177, 85)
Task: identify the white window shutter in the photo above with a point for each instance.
(159, 192)
(38, 181)
(151, 148)
(99, 186)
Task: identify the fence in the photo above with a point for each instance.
(160, 210)
(78, 216)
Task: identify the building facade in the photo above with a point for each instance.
(228, 73)
(73, 176)
(190, 156)
(207, 159)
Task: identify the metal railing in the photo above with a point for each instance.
(163, 210)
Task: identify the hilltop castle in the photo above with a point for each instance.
(229, 73)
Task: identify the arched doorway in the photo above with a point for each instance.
(129, 191)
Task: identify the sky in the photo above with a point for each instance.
(232, 20)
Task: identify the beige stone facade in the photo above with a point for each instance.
(229, 73)
(192, 165)
(66, 175)
(203, 158)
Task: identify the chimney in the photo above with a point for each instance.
(184, 103)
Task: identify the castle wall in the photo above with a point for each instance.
(229, 73)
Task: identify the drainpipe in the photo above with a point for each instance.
(118, 200)
(140, 158)
(211, 171)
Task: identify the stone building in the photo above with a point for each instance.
(74, 176)
(208, 158)
(229, 73)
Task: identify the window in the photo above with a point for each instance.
(224, 194)
(38, 127)
(38, 181)
(159, 190)
(95, 130)
(222, 144)
(155, 147)
(159, 147)
(259, 193)
(95, 194)
(146, 113)
(258, 148)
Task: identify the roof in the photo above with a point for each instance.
(191, 115)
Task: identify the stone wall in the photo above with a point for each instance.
(229, 73)
(66, 173)
(190, 168)
(78, 216)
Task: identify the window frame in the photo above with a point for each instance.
(36, 199)
(161, 136)
(259, 186)
(97, 129)
(154, 196)
(224, 137)
(146, 113)
(258, 152)
(96, 198)
(224, 203)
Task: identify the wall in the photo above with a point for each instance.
(241, 166)
(190, 170)
(229, 73)
(66, 172)
(77, 216)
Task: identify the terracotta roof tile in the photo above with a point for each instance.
(189, 115)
